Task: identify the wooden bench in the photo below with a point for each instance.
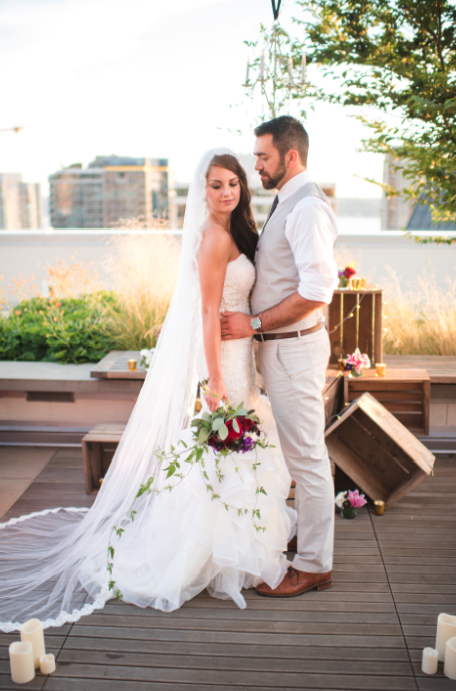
(98, 448)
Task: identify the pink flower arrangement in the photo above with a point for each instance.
(356, 499)
(358, 361)
(350, 500)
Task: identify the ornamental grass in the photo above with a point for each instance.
(144, 269)
(421, 321)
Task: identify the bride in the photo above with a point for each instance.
(53, 564)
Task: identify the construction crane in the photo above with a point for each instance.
(13, 129)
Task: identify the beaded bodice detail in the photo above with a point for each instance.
(238, 364)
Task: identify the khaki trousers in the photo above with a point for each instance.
(294, 372)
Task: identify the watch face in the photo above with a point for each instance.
(255, 323)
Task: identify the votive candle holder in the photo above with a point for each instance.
(380, 369)
(132, 365)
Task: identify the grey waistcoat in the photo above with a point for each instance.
(276, 274)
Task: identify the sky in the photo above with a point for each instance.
(147, 78)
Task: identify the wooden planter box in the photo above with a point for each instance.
(363, 330)
(377, 452)
(405, 393)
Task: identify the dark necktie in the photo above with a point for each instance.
(273, 208)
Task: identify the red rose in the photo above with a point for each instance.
(349, 272)
(232, 434)
(246, 423)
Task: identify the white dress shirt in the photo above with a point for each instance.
(311, 230)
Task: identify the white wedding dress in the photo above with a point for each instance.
(185, 542)
(53, 564)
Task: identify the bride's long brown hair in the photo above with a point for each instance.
(243, 226)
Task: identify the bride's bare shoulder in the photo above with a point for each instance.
(215, 240)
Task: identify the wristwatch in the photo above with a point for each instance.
(255, 323)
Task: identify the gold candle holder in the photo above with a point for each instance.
(341, 364)
(132, 364)
(379, 507)
(101, 480)
(380, 369)
(198, 405)
(363, 280)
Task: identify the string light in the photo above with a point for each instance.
(349, 316)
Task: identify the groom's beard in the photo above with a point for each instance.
(272, 181)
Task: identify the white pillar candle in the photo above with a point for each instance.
(22, 663)
(430, 661)
(248, 70)
(33, 631)
(449, 668)
(303, 69)
(446, 629)
(290, 69)
(47, 664)
(262, 65)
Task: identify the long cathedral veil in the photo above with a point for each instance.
(44, 556)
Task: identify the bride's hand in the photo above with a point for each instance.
(218, 387)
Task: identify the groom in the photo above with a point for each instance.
(295, 276)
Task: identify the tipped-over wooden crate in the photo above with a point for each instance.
(377, 452)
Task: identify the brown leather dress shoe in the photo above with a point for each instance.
(297, 582)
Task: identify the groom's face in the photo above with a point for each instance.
(270, 165)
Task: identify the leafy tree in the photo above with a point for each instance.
(398, 57)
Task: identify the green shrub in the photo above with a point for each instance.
(64, 330)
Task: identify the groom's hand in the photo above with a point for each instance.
(236, 325)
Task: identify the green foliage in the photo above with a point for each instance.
(57, 330)
(398, 57)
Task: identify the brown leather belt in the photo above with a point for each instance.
(288, 334)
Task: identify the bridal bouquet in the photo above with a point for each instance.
(226, 431)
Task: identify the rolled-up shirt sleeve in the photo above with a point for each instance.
(311, 230)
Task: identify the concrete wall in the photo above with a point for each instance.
(27, 252)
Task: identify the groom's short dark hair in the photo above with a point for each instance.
(287, 133)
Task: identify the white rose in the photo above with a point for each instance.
(339, 500)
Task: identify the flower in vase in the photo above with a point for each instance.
(356, 499)
(358, 360)
(339, 500)
(146, 357)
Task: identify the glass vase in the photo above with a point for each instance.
(348, 513)
(353, 374)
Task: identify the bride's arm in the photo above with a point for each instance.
(213, 259)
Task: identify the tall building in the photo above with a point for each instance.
(395, 211)
(111, 188)
(20, 203)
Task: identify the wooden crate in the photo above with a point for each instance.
(377, 452)
(98, 448)
(405, 393)
(363, 330)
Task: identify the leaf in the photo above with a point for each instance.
(111, 551)
(236, 426)
(223, 432)
(203, 435)
(217, 423)
(207, 416)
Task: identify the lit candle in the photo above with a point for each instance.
(446, 629)
(248, 70)
(132, 364)
(380, 369)
(430, 661)
(47, 664)
(33, 631)
(303, 69)
(22, 664)
(449, 668)
(262, 65)
(290, 69)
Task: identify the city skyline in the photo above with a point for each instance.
(88, 77)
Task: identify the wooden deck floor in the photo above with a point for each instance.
(393, 575)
